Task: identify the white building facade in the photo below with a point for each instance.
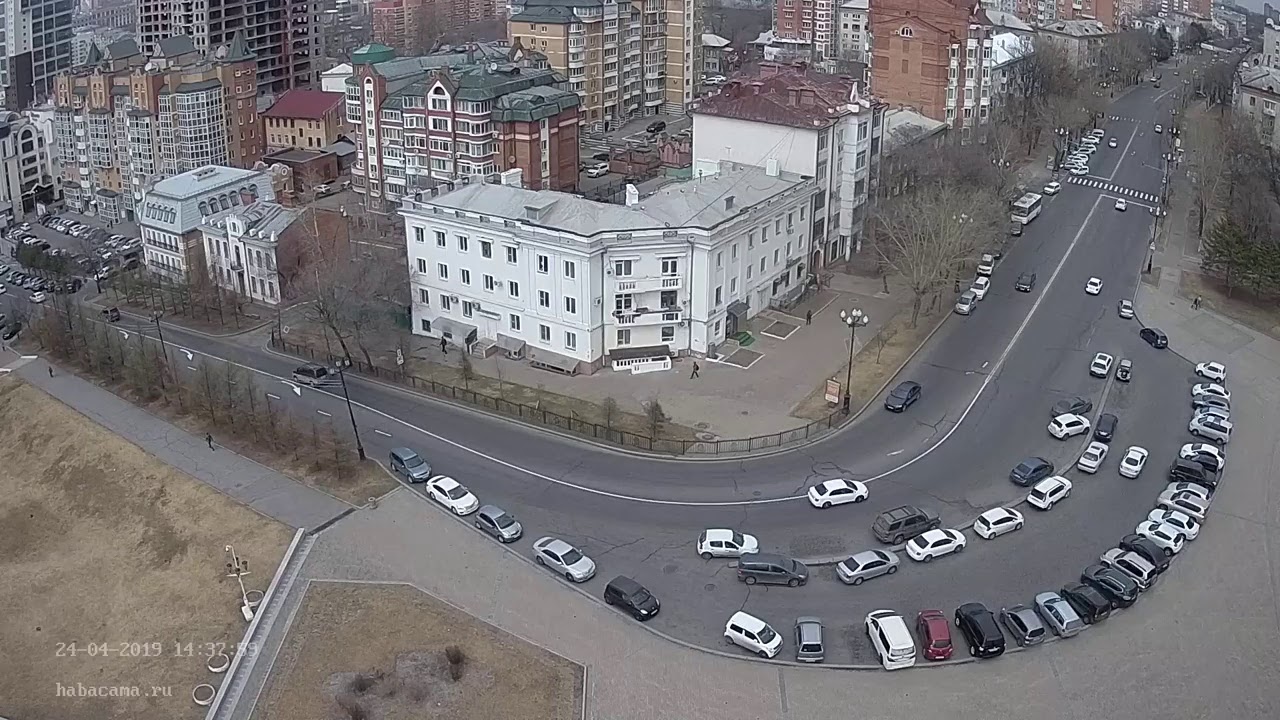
(240, 249)
(575, 285)
(853, 31)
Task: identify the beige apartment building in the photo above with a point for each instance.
(623, 59)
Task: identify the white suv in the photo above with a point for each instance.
(891, 639)
(752, 633)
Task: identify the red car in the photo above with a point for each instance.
(935, 634)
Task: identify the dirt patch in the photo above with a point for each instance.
(1152, 278)
(1243, 306)
(385, 650)
(874, 364)
(104, 547)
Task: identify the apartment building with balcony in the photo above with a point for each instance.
(124, 120)
(1257, 97)
(852, 34)
(812, 22)
(35, 45)
(811, 124)
(471, 113)
(1082, 40)
(411, 26)
(624, 59)
(241, 248)
(575, 285)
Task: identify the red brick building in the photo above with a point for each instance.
(523, 120)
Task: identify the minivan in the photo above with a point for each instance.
(771, 569)
(752, 633)
(966, 303)
(312, 374)
(891, 639)
(631, 596)
(410, 464)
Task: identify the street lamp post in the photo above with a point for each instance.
(350, 413)
(853, 318)
(155, 318)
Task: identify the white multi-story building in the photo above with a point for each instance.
(240, 249)
(812, 124)
(853, 34)
(574, 284)
(1271, 44)
(171, 214)
(27, 177)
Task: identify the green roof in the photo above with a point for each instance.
(372, 53)
(536, 103)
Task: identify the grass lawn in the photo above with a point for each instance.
(1242, 305)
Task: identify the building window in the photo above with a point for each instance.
(419, 234)
(570, 269)
(720, 259)
(544, 298)
(670, 266)
(668, 333)
(544, 333)
(440, 239)
(424, 296)
(624, 336)
(445, 303)
(544, 264)
(443, 271)
(906, 32)
(486, 249)
(422, 266)
(571, 341)
(440, 124)
(426, 326)
(733, 251)
(571, 305)
(465, 276)
(513, 288)
(511, 255)
(719, 294)
(515, 322)
(622, 268)
(622, 303)
(468, 308)
(462, 243)
(489, 283)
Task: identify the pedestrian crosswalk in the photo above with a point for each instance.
(1122, 118)
(1105, 186)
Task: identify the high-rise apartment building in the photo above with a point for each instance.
(472, 114)
(280, 33)
(624, 59)
(808, 21)
(123, 120)
(35, 45)
(853, 31)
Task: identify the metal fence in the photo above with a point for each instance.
(590, 430)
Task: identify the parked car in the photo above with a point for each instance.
(1193, 505)
(1125, 309)
(1208, 427)
(1186, 525)
(1105, 429)
(403, 461)
(1150, 552)
(498, 523)
(1131, 564)
(1049, 492)
(452, 494)
(1183, 470)
(866, 565)
(966, 303)
(1212, 371)
(625, 593)
(1023, 624)
(1165, 536)
(1154, 337)
(1134, 460)
(980, 286)
(1068, 426)
(897, 525)
(1092, 458)
(1117, 587)
(752, 633)
(1101, 365)
(1072, 406)
(980, 631)
(1031, 471)
(935, 543)
(1124, 371)
(1058, 615)
(935, 635)
(1092, 606)
(891, 639)
(1210, 456)
(996, 522)
(809, 645)
(563, 559)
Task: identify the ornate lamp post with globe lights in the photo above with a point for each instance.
(854, 318)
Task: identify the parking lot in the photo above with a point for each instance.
(58, 254)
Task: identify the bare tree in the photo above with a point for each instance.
(425, 25)
(1209, 166)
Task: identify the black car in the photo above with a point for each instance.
(1105, 429)
(1191, 471)
(656, 126)
(1074, 405)
(980, 631)
(601, 157)
(1031, 471)
(11, 331)
(631, 596)
(1117, 587)
(1154, 337)
(1092, 606)
(903, 396)
(1148, 550)
(1210, 462)
(1026, 281)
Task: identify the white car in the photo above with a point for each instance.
(986, 265)
(1212, 371)
(452, 494)
(1094, 286)
(1049, 491)
(719, 542)
(838, 492)
(1113, 143)
(563, 559)
(1159, 129)
(1187, 503)
(996, 522)
(1125, 309)
(1196, 451)
(1052, 188)
(1092, 457)
(752, 633)
(1135, 458)
(980, 287)
(1212, 412)
(1101, 365)
(1183, 523)
(935, 543)
(1078, 170)
(1121, 205)
(1068, 426)
(1167, 537)
(3, 290)
(1210, 389)
(1188, 488)
(38, 297)
(891, 639)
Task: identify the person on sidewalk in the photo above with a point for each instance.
(208, 437)
(808, 317)
(50, 371)
(444, 346)
(1195, 304)
(694, 374)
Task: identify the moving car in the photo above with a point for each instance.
(1211, 389)
(980, 287)
(902, 523)
(1092, 606)
(1135, 458)
(1124, 372)
(996, 522)
(625, 593)
(1101, 365)
(1113, 143)
(1159, 128)
(563, 559)
(1212, 371)
(1132, 564)
(809, 646)
(1091, 459)
(1031, 471)
(1190, 504)
(723, 543)
(452, 494)
(38, 297)
(1052, 188)
(837, 492)
(935, 635)
(1105, 429)
(1078, 170)
(498, 523)
(1058, 615)
(966, 303)
(891, 639)
(1072, 406)
(656, 126)
(1048, 492)
(1117, 587)
(1183, 523)
(1068, 426)
(772, 569)
(903, 396)
(866, 565)
(1023, 624)
(980, 631)
(1093, 286)
(1121, 204)
(1211, 428)
(1125, 309)
(1154, 337)
(1211, 456)
(598, 170)
(752, 633)
(1026, 281)
(935, 543)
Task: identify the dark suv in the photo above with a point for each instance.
(631, 596)
(771, 569)
(1026, 281)
(1191, 471)
(1092, 606)
(1147, 549)
(1117, 587)
(980, 630)
(1031, 471)
(900, 524)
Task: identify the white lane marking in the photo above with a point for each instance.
(896, 452)
(1124, 153)
(124, 333)
(292, 387)
(186, 352)
(191, 368)
(383, 433)
(324, 413)
(273, 397)
(985, 364)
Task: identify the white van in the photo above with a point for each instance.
(1089, 140)
(968, 299)
(891, 639)
(754, 634)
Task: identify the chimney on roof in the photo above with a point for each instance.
(728, 203)
(633, 195)
(772, 167)
(755, 87)
(513, 177)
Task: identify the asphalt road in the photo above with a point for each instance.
(640, 516)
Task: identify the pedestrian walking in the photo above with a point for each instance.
(694, 374)
(444, 346)
(1195, 304)
(208, 437)
(50, 371)
(808, 317)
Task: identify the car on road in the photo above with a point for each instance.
(966, 303)
(38, 297)
(1167, 537)
(891, 639)
(986, 264)
(1190, 504)
(1113, 143)
(452, 495)
(1212, 371)
(1048, 492)
(1180, 521)
(1105, 429)
(1125, 309)
(897, 525)
(809, 645)
(1092, 606)
(1072, 406)
(1031, 471)
(1052, 188)
(1093, 286)
(752, 633)
(996, 522)
(498, 524)
(1068, 426)
(403, 461)
(980, 287)
(11, 331)
(1210, 456)
(1154, 337)
(1058, 615)
(563, 559)
(1091, 459)
(724, 543)
(1124, 371)
(1211, 428)
(656, 126)
(866, 565)
(598, 170)
(625, 593)
(1026, 282)
(1149, 551)
(1101, 365)
(1132, 564)
(935, 543)
(1078, 170)
(1211, 389)
(1121, 204)
(903, 396)
(837, 492)
(1023, 624)
(1117, 587)
(772, 569)
(935, 635)
(1160, 128)
(1134, 460)
(980, 631)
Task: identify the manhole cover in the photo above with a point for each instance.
(706, 436)
(702, 425)
(709, 587)
(755, 493)
(668, 569)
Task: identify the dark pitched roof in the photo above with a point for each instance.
(174, 45)
(121, 49)
(793, 97)
(302, 103)
(94, 56)
(533, 104)
(236, 50)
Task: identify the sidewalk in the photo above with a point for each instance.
(258, 486)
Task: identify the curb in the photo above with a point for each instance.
(221, 336)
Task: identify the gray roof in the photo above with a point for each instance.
(532, 104)
(121, 49)
(1003, 19)
(174, 45)
(194, 86)
(1262, 79)
(341, 148)
(904, 126)
(399, 68)
(179, 204)
(698, 203)
(1077, 28)
(190, 184)
(264, 217)
(549, 15)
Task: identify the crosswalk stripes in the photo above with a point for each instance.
(1124, 119)
(1105, 186)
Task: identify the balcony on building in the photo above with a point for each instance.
(646, 316)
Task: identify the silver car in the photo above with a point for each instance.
(1132, 565)
(1023, 624)
(1058, 614)
(1211, 428)
(498, 523)
(809, 647)
(866, 565)
(564, 559)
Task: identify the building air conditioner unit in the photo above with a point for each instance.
(453, 298)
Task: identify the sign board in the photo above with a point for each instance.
(833, 392)
(399, 357)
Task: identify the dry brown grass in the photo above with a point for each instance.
(383, 648)
(1242, 305)
(102, 543)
